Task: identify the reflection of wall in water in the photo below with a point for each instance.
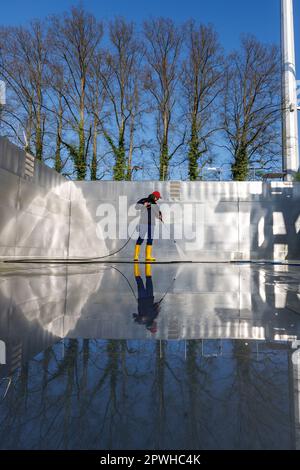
(204, 301)
(33, 309)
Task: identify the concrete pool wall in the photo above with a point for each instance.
(34, 207)
(44, 215)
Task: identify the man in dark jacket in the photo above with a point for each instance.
(149, 214)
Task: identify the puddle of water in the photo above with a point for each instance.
(162, 357)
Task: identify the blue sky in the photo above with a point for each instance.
(230, 17)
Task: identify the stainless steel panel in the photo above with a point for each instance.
(237, 220)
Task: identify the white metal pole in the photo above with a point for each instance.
(289, 91)
(295, 386)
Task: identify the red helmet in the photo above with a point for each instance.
(153, 328)
(156, 194)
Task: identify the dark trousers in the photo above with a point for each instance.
(149, 237)
(140, 241)
(144, 292)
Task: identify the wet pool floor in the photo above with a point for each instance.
(149, 357)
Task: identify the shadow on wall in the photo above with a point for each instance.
(269, 221)
(278, 222)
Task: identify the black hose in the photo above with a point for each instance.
(115, 252)
(66, 260)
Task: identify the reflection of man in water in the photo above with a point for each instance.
(148, 310)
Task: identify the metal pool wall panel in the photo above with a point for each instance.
(44, 215)
(34, 210)
(238, 221)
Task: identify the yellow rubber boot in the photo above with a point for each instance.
(149, 253)
(137, 272)
(137, 252)
(148, 270)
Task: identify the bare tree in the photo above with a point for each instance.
(252, 106)
(94, 164)
(202, 83)
(119, 76)
(55, 110)
(59, 128)
(83, 108)
(23, 67)
(164, 41)
(75, 39)
(96, 99)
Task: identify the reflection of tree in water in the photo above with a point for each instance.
(200, 399)
(258, 396)
(121, 394)
(158, 394)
